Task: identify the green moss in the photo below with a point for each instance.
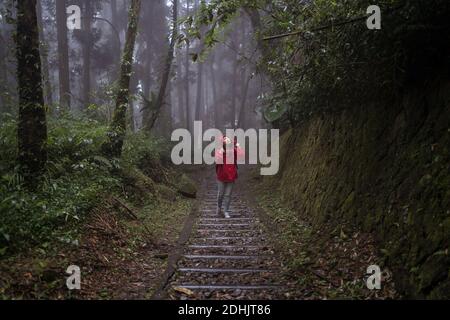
(434, 270)
(187, 186)
(380, 171)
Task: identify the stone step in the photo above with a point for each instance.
(226, 226)
(228, 287)
(242, 241)
(262, 263)
(223, 270)
(226, 219)
(224, 257)
(228, 247)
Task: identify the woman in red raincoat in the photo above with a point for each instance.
(227, 173)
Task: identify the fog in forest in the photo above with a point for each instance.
(220, 86)
(107, 181)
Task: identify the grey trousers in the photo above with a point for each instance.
(225, 190)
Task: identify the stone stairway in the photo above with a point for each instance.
(227, 258)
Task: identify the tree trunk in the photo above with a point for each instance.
(148, 98)
(234, 92)
(214, 92)
(134, 81)
(32, 125)
(199, 99)
(167, 68)
(86, 52)
(179, 87)
(199, 94)
(186, 81)
(3, 74)
(44, 56)
(242, 120)
(63, 55)
(114, 19)
(118, 127)
(244, 81)
(255, 19)
(165, 119)
(180, 93)
(146, 84)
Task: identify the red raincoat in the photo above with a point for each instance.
(226, 170)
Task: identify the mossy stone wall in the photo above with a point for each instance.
(385, 169)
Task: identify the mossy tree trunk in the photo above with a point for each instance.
(118, 127)
(32, 126)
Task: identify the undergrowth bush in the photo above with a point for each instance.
(140, 146)
(77, 175)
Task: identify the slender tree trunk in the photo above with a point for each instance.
(234, 92)
(186, 81)
(147, 83)
(114, 20)
(165, 119)
(187, 90)
(214, 92)
(119, 124)
(3, 75)
(133, 90)
(44, 56)
(180, 93)
(147, 77)
(179, 87)
(207, 115)
(199, 94)
(242, 112)
(167, 68)
(63, 55)
(255, 19)
(32, 125)
(132, 119)
(245, 79)
(86, 52)
(199, 100)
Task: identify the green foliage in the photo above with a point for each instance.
(210, 22)
(77, 176)
(344, 65)
(72, 139)
(8, 142)
(333, 61)
(74, 180)
(275, 112)
(141, 145)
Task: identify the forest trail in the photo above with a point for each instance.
(227, 258)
